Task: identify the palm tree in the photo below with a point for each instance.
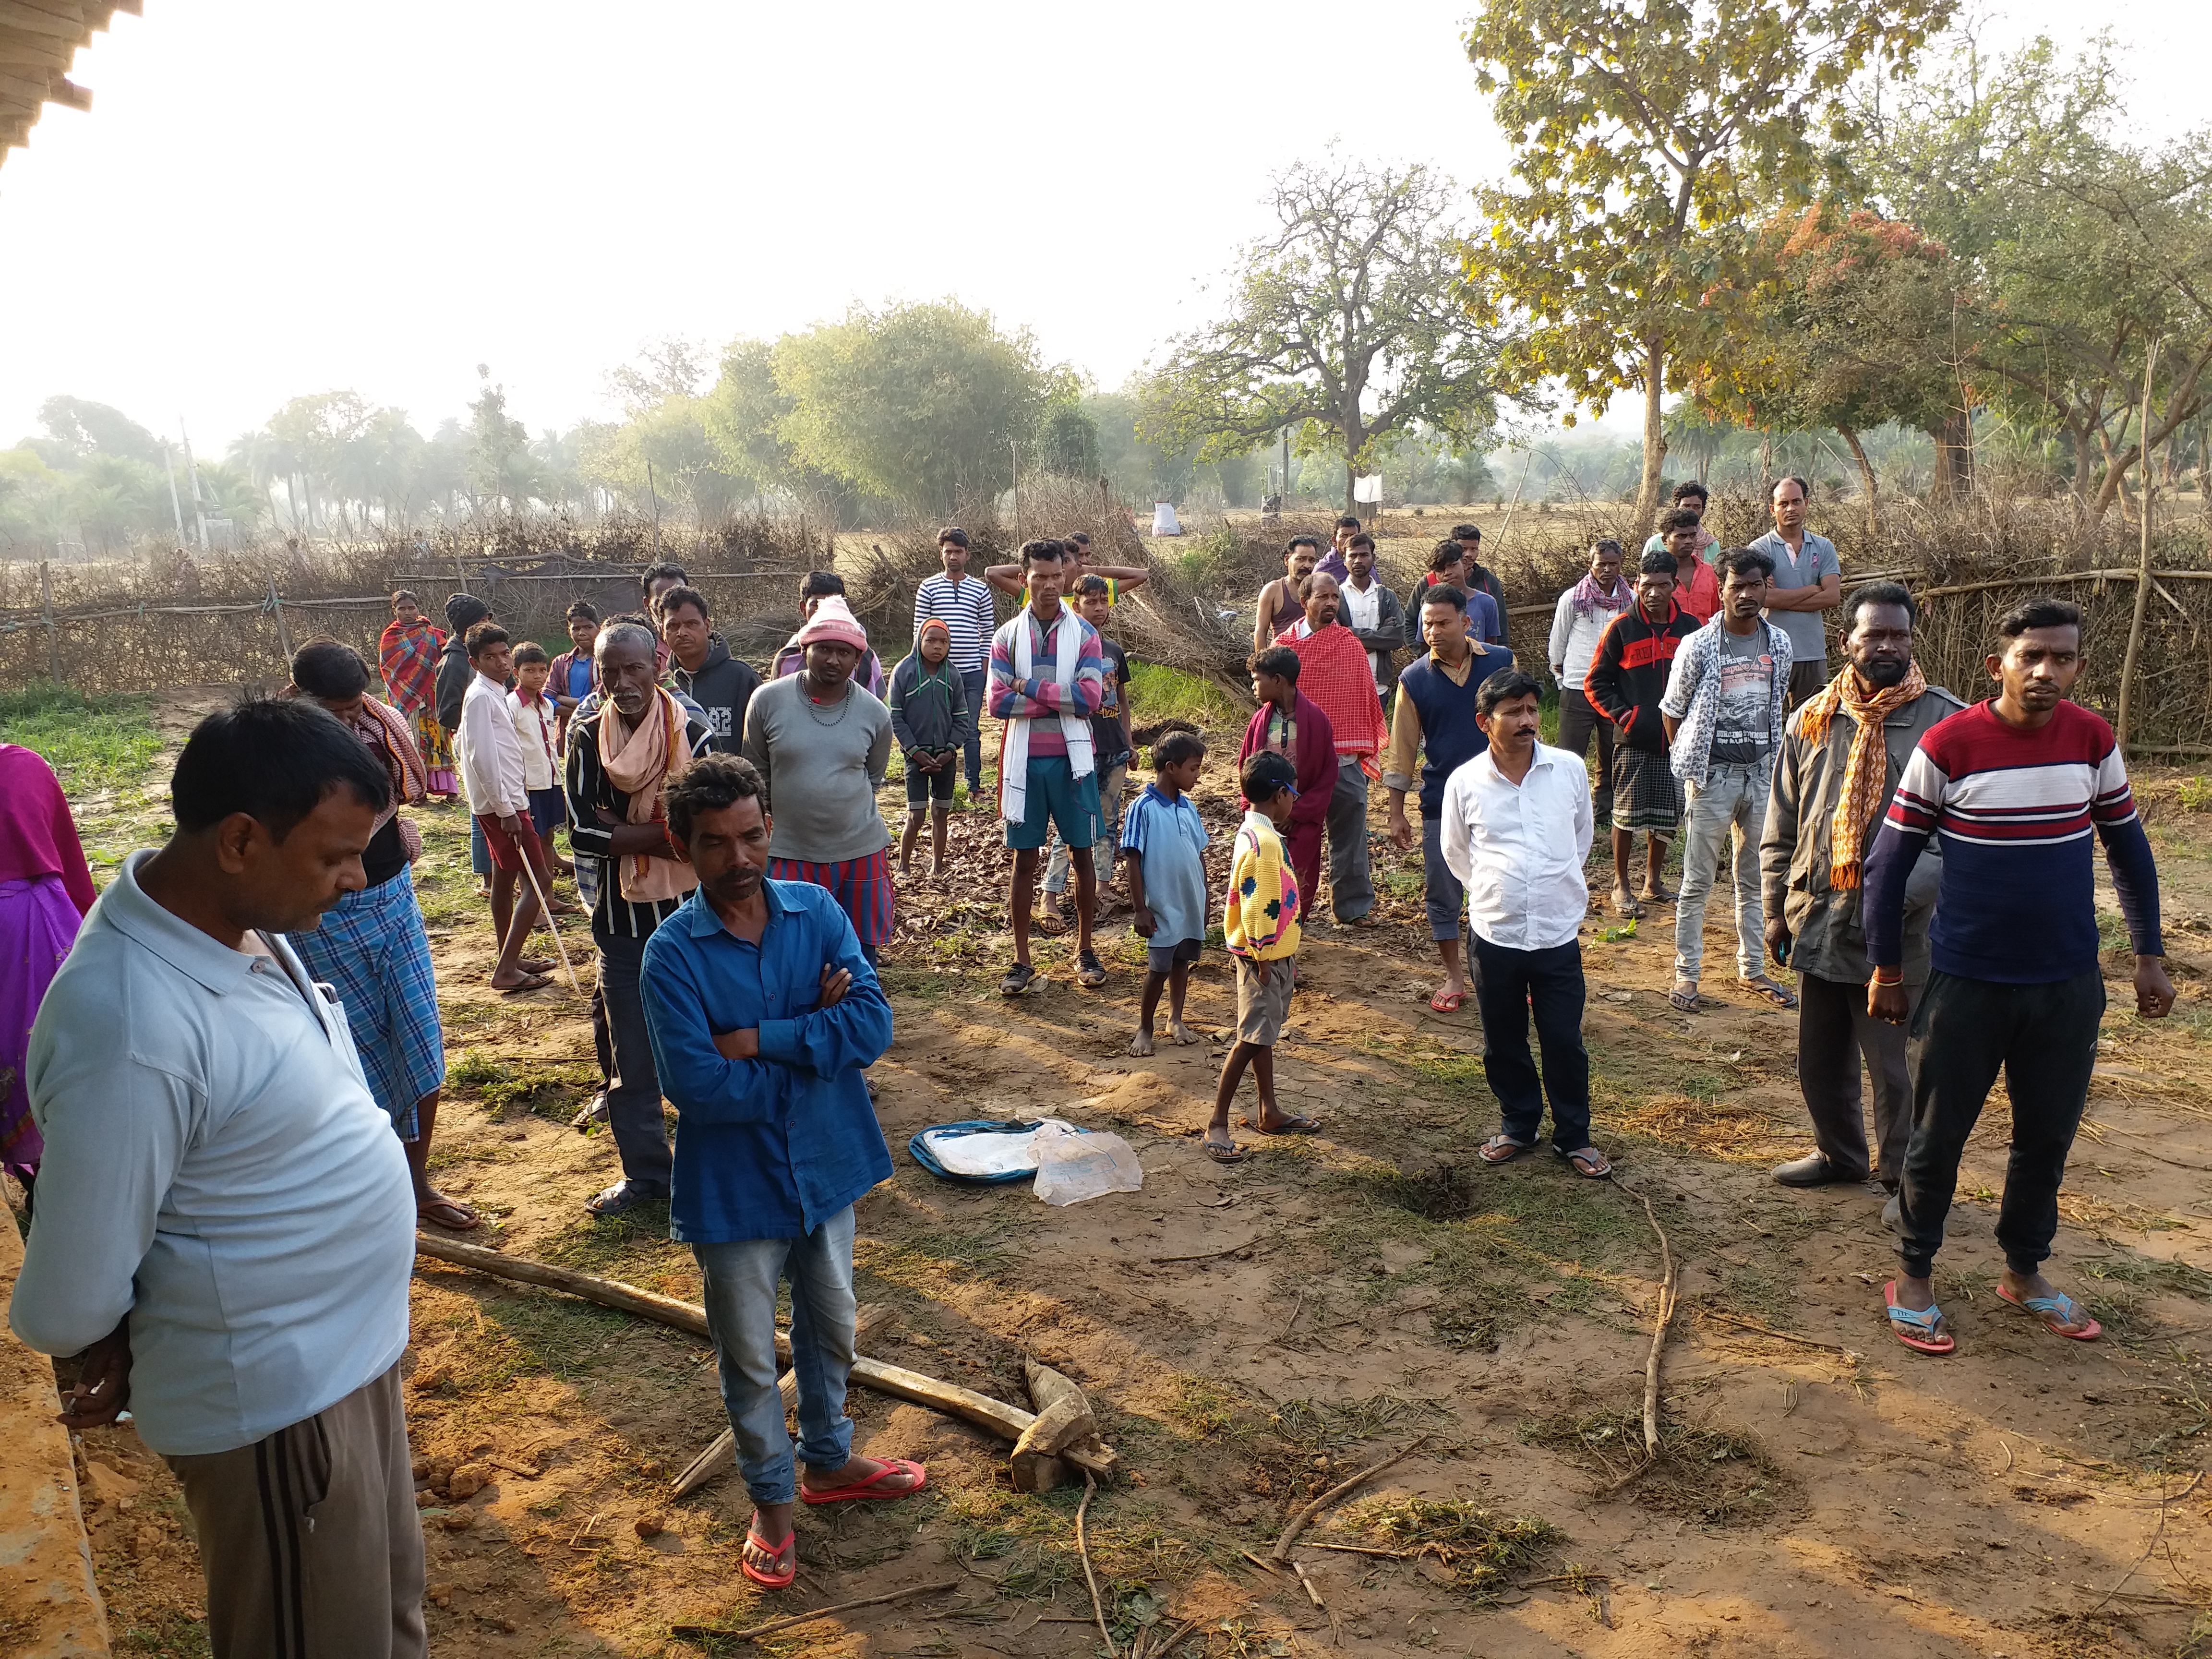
(266, 459)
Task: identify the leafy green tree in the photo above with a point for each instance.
(2083, 246)
(1647, 135)
(76, 428)
(500, 465)
(1067, 442)
(1849, 326)
(921, 404)
(1343, 326)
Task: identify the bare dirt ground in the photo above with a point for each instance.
(1822, 1491)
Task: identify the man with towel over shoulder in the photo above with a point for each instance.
(1047, 678)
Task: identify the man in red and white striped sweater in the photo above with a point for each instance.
(2016, 786)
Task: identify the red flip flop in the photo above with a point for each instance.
(768, 1580)
(1915, 1327)
(2054, 1313)
(867, 1489)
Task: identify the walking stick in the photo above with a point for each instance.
(545, 905)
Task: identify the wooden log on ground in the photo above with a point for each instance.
(1036, 1460)
(1047, 1388)
(723, 1454)
(1005, 1421)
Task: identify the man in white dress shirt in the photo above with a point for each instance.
(1516, 832)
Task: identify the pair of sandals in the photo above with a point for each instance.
(1684, 999)
(1230, 1152)
(859, 1491)
(1918, 1327)
(1089, 973)
(1587, 1162)
(1634, 907)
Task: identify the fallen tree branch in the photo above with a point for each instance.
(1658, 1331)
(753, 1633)
(1083, 1549)
(1002, 1419)
(1304, 1516)
(1780, 1336)
(1206, 1255)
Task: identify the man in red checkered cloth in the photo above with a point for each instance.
(1333, 670)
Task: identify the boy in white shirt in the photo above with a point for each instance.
(537, 725)
(492, 769)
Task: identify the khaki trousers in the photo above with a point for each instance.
(309, 1538)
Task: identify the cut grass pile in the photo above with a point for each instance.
(1721, 1476)
(1482, 1548)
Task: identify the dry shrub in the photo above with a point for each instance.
(339, 591)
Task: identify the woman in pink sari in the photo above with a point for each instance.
(44, 891)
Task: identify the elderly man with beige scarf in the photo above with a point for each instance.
(620, 754)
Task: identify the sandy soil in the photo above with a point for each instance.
(1821, 1491)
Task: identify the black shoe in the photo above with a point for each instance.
(623, 1197)
(1813, 1170)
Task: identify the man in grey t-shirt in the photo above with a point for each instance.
(1808, 583)
(822, 743)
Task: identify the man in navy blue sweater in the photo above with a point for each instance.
(2016, 786)
(764, 1013)
(1435, 713)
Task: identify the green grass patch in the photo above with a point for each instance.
(93, 743)
(1159, 693)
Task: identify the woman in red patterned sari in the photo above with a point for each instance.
(407, 655)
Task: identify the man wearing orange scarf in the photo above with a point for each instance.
(1840, 759)
(620, 753)
(1335, 672)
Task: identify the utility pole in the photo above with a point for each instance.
(169, 466)
(654, 494)
(191, 467)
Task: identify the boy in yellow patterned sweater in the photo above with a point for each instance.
(1260, 923)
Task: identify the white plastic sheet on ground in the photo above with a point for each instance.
(1072, 1166)
(988, 1154)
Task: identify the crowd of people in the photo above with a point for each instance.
(222, 1072)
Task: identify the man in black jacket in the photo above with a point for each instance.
(1627, 678)
(463, 612)
(702, 669)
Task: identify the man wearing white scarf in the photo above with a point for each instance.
(1047, 678)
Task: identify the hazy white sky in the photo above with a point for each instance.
(271, 198)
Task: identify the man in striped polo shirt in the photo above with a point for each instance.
(2016, 786)
(963, 604)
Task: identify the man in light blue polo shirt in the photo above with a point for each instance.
(225, 1226)
(1808, 583)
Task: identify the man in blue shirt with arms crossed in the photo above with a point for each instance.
(763, 1013)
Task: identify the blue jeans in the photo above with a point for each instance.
(972, 684)
(479, 854)
(741, 1281)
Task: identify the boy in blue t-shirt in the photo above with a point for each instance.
(1163, 843)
